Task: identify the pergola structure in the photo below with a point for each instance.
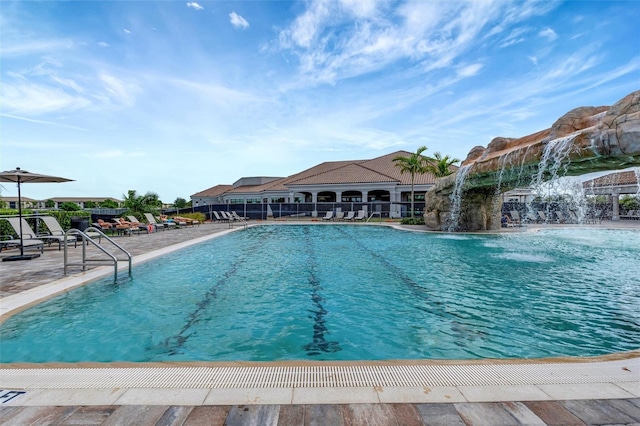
(613, 185)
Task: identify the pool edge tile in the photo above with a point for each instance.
(418, 395)
(67, 397)
(249, 396)
(498, 393)
(335, 395)
(585, 391)
(156, 396)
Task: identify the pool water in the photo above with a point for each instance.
(345, 292)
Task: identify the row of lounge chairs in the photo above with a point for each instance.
(133, 225)
(515, 219)
(222, 216)
(31, 239)
(350, 216)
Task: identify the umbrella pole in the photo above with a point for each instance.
(20, 218)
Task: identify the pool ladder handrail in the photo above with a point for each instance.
(232, 220)
(86, 239)
(374, 214)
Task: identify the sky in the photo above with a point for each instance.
(175, 97)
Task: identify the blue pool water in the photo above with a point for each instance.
(345, 292)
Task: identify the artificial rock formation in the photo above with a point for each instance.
(584, 140)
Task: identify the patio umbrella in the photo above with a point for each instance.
(22, 176)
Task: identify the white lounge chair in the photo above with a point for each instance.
(350, 215)
(158, 225)
(26, 243)
(56, 230)
(361, 215)
(515, 217)
(340, 216)
(328, 215)
(28, 233)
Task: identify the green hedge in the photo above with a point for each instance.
(63, 217)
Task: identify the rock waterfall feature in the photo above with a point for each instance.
(584, 140)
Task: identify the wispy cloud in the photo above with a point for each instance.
(25, 98)
(118, 90)
(45, 122)
(548, 33)
(238, 21)
(103, 44)
(194, 5)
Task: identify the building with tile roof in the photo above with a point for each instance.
(377, 180)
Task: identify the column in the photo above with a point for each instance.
(615, 210)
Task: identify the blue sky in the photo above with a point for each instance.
(175, 97)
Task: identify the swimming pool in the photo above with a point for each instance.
(345, 292)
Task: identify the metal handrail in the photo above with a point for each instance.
(86, 239)
(374, 214)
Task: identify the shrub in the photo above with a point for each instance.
(412, 221)
(195, 216)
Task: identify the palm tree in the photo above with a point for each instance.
(439, 166)
(137, 205)
(415, 164)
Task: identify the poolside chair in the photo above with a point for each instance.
(159, 225)
(328, 215)
(532, 218)
(340, 216)
(219, 217)
(350, 215)
(135, 222)
(515, 217)
(362, 215)
(26, 243)
(237, 216)
(28, 233)
(543, 217)
(55, 229)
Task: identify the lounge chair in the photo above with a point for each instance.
(218, 217)
(543, 217)
(328, 215)
(152, 220)
(515, 217)
(56, 230)
(26, 243)
(135, 222)
(350, 215)
(28, 233)
(361, 215)
(340, 216)
(227, 216)
(532, 218)
(237, 216)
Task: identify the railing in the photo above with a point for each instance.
(374, 214)
(86, 240)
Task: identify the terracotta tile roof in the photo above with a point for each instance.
(78, 199)
(349, 173)
(214, 191)
(377, 170)
(613, 179)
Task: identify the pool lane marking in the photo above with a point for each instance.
(319, 344)
(458, 329)
(173, 343)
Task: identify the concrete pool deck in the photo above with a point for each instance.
(577, 391)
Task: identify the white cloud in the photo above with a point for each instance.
(238, 21)
(103, 44)
(35, 99)
(118, 90)
(548, 33)
(533, 59)
(469, 70)
(126, 31)
(194, 5)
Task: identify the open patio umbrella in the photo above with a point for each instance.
(22, 176)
